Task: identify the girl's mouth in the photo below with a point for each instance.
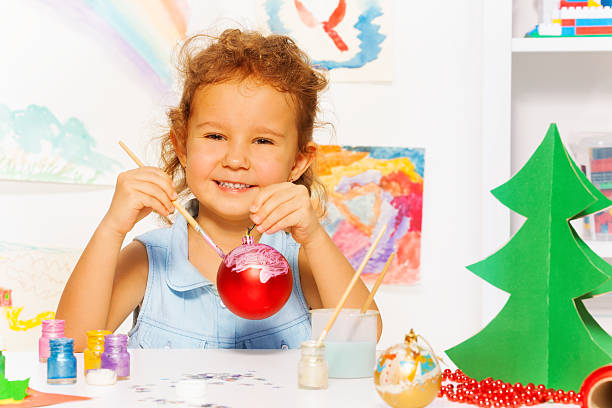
(226, 185)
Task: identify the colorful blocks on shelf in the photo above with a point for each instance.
(607, 30)
(568, 31)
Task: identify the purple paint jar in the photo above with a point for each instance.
(116, 356)
(51, 329)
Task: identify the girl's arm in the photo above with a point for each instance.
(104, 287)
(324, 265)
(107, 283)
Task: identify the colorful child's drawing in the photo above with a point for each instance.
(369, 187)
(351, 39)
(36, 277)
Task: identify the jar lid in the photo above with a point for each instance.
(192, 390)
(101, 376)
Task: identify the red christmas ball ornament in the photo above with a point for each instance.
(254, 281)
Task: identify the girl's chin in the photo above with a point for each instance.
(235, 215)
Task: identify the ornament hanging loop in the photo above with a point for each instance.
(250, 229)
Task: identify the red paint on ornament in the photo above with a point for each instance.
(254, 280)
(596, 390)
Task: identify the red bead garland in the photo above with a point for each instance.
(490, 393)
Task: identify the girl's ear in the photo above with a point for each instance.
(179, 147)
(303, 160)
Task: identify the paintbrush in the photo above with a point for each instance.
(180, 208)
(366, 304)
(346, 293)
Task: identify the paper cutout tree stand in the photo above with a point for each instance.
(543, 334)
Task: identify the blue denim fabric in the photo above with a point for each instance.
(182, 309)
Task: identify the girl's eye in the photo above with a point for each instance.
(261, 140)
(214, 136)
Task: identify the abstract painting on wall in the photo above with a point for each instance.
(369, 187)
(350, 39)
(32, 282)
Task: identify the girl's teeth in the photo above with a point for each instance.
(232, 185)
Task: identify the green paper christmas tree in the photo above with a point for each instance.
(543, 334)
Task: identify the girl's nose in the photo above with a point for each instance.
(236, 157)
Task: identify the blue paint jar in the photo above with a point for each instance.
(61, 365)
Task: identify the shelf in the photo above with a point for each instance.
(562, 44)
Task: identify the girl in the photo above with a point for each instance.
(241, 142)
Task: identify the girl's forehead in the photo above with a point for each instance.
(247, 98)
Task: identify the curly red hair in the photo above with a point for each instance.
(274, 60)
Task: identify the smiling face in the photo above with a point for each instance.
(241, 136)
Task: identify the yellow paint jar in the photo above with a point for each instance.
(95, 347)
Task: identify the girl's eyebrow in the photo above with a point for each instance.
(211, 124)
(258, 129)
(263, 129)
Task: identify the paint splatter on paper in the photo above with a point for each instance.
(17, 323)
(369, 187)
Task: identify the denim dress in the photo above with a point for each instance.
(182, 309)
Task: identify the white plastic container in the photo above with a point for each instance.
(350, 345)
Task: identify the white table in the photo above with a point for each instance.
(271, 373)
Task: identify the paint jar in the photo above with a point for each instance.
(61, 364)
(95, 347)
(312, 367)
(350, 345)
(51, 329)
(116, 356)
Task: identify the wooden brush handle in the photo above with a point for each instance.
(346, 293)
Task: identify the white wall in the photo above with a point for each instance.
(433, 102)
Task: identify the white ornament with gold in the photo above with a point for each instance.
(408, 374)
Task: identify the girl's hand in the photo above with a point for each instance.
(285, 206)
(137, 193)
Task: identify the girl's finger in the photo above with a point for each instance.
(266, 192)
(288, 221)
(279, 212)
(153, 203)
(270, 206)
(157, 176)
(158, 180)
(156, 192)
